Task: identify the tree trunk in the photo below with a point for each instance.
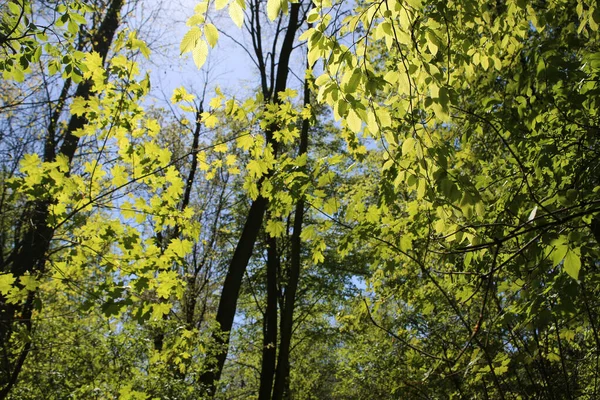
(269, 351)
(230, 291)
(282, 373)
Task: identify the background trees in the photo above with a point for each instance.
(410, 212)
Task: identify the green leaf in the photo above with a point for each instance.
(78, 106)
(29, 282)
(273, 8)
(245, 142)
(6, 283)
(331, 206)
(181, 247)
(14, 8)
(560, 248)
(236, 13)
(220, 4)
(160, 309)
(312, 16)
(79, 19)
(408, 146)
(256, 168)
(572, 263)
(432, 42)
(414, 3)
(275, 228)
(354, 121)
(212, 34)
(200, 53)
(188, 43)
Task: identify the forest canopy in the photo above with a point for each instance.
(405, 205)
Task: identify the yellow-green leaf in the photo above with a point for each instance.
(188, 43)
(354, 121)
(275, 228)
(200, 53)
(273, 8)
(212, 34)
(236, 13)
(6, 283)
(572, 263)
(220, 4)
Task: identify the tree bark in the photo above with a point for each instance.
(231, 289)
(269, 351)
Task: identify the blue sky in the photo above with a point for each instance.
(228, 66)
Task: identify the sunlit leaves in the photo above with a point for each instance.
(559, 249)
(190, 39)
(200, 53)
(245, 142)
(193, 42)
(181, 94)
(354, 121)
(457, 119)
(236, 12)
(160, 309)
(275, 228)
(219, 4)
(6, 283)
(212, 34)
(273, 8)
(572, 263)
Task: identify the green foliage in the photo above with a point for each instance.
(451, 237)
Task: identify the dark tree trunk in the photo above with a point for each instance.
(282, 373)
(269, 352)
(231, 289)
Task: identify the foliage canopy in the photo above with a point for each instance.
(420, 218)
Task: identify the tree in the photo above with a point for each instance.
(421, 222)
(29, 256)
(273, 88)
(482, 206)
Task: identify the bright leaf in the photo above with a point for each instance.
(236, 13)
(212, 34)
(572, 263)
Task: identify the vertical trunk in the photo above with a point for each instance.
(282, 381)
(245, 246)
(269, 324)
(231, 289)
(29, 254)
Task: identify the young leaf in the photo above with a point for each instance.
(200, 53)
(275, 228)
(236, 13)
(354, 121)
(572, 263)
(6, 283)
(559, 251)
(220, 4)
(273, 8)
(212, 34)
(189, 40)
